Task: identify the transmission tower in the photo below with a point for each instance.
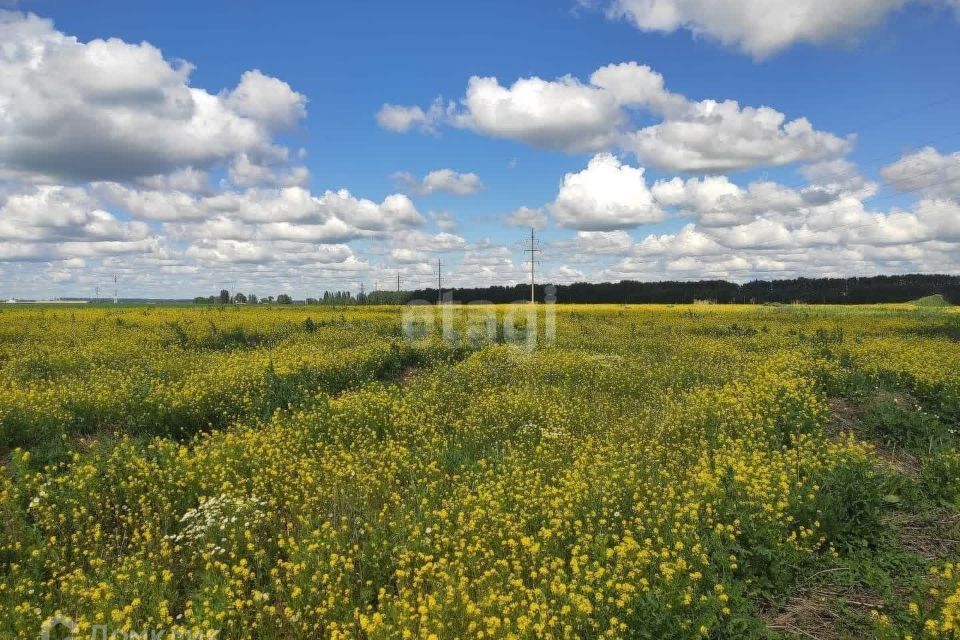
(533, 251)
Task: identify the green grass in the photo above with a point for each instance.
(895, 422)
(935, 300)
(888, 526)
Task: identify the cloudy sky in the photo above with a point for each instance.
(279, 147)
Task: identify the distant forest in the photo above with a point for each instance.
(872, 289)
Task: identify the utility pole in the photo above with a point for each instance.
(533, 251)
(398, 287)
(98, 295)
(439, 284)
(114, 288)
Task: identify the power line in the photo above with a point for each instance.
(951, 97)
(500, 271)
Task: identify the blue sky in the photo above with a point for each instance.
(880, 72)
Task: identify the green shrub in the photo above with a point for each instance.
(897, 426)
(848, 505)
(940, 478)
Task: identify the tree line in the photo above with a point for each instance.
(328, 297)
(857, 290)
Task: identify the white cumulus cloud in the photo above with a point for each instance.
(560, 114)
(758, 27)
(527, 217)
(607, 195)
(461, 184)
(63, 214)
(401, 119)
(927, 171)
(111, 110)
(691, 136)
(267, 100)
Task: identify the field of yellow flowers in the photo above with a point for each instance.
(645, 472)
